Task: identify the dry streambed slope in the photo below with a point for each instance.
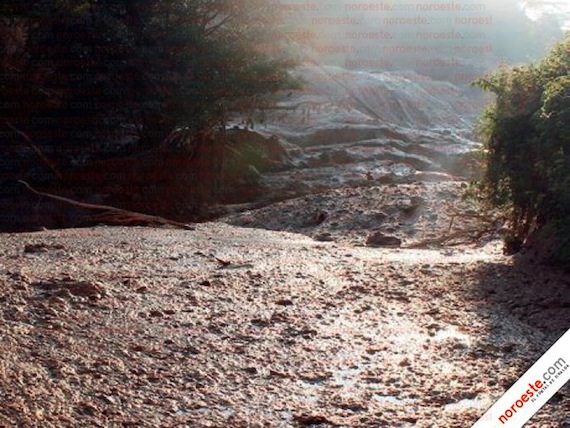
(230, 327)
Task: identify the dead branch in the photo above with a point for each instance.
(115, 215)
(36, 149)
(469, 235)
(488, 225)
(452, 219)
(487, 217)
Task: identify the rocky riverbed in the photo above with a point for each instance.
(241, 327)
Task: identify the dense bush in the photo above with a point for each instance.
(526, 135)
(125, 102)
(77, 76)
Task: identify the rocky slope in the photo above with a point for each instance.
(349, 128)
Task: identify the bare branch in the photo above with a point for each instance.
(113, 214)
(220, 24)
(51, 165)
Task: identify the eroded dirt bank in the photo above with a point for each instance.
(232, 327)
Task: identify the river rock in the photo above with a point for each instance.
(378, 239)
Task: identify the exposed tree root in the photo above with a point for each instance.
(488, 224)
(113, 215)
(458, 238)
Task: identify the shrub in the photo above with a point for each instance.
(526, 148)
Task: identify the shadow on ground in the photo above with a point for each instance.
(527, 309)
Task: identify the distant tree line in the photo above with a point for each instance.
(526, 135)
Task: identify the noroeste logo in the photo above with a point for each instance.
(525, 398)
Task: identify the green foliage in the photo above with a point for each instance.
(526, 136)
(82, 72)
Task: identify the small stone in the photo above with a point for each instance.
(434, 326)
(107, 399)
(385, 179)
(18, 276)
(58, 300)
(63, 293)
(191, 350)
(88, 409)
(50, 312)
(378, 239)
(66, 286)
(319, 217)
(260, 322)
(417, 200)
(156, 314)
(137, 348)
(324, 237)
(21, 287)
(379, 216)
(309, 420)
(509, 347)
(42, 248)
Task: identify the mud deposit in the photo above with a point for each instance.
(234, 327)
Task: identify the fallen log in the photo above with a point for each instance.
(113, 215)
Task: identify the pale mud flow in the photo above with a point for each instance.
(333, 303)
(231, 327)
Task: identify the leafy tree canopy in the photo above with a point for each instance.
(76, 74)
(526, 136)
